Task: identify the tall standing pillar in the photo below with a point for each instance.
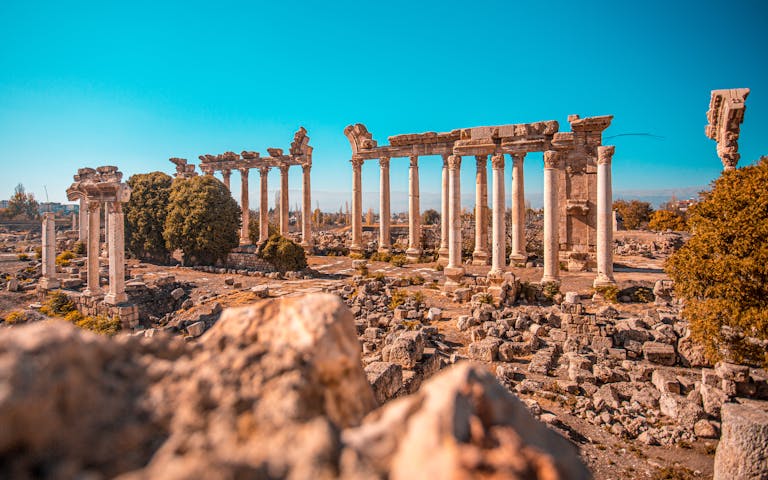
(385, 214)
(48, 281)
(306, 208)
(454, 271)
(263, 205)
(551, 213)
(116, 234)
(480, 254)
(498, 258)
(518, 254)
(414, 212)
(92, 249)
(74, 222)
(245, 230)
(83, 220)
(225, 174)
(106, 227)
(283, 199)
(604, 217)
(357, 207)
(444, 222)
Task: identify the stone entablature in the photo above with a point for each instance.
(572, 182)
(299, 154)
(725, 115)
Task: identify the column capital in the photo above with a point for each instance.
(445, 160)
(306, 167)
(605, 154)
(414, 160)
(264, 170)
(384, 162)
(497, 161)
(518, 156)
(481, 160)
(454, 162)
(226, 172)
(93, 205)
(357, 163)
(115, 207)
(551, 159)
(284, 169)
(244, 171)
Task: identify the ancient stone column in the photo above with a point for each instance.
(116, 236)
(480, 255)
(92, 249)
(74, 222)
(106, 226)
(498, 251)
(414, 213)
(444, 222)
(306, 208)
(604, 217)
(83, 231)
(263, 205)
(518, 254)
(284, 200)
(551, 240)
(385, 214)
(225, 174)
(48, 281)
(245, 230)
(357, 207)
(454, 271)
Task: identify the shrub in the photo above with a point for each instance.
(145, 216)
(253, 229)
(485, 298)
(16, 316)
(398, 260)
(550, 290)
(721, 272)
(608, 292)
(357, 256)
(635, 214)
(38, 253)
(416, 280)
(418, 297)
(381, 257)
(203, 220)
(284, 254)
(377, 276)
(57, 304)
(79, 248)
(100, 324)
(64, 257)
(398, 298)
(662, 220)
(23, 257)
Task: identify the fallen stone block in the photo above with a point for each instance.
(743, 449)
(661, 353)
(386, 379)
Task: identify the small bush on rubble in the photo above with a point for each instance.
(721, 271)
(57, 304)
(284, 254)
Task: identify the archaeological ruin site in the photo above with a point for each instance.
(486, 341)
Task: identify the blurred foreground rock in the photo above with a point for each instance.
(273, 390)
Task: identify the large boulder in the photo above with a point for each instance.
(743, 450)
(460, 422)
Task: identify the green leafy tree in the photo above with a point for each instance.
(636, 214)
(430, 217)
(23, 204)
(666, 220)
(721, 271)
(253, 229)
(203, 220)
(145, 215)
(284, 254)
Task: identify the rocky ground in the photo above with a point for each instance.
(622, 381)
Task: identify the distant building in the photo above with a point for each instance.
(3, 203)
(60, 208)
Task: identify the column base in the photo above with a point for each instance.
(413, 255)
(309, 248)
(245, 241)
(115, 298)
(442, 258)
(356, 249)
(385, 248)
(92, 293)
(549, 279)
(517, 259)
(480, 258)
(49, 283)
(603, 281)
(454, 277)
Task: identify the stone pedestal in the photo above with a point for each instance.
(480, 254)
(551, 241)
(385, 214)
(225, 175)
(414, 213)
(116, 236)
(306, 209)
(94, 214)
(444, 222)
(263, 205)
(454, 272)
(357, 207)
(518, 254)
(246, 212)
(284, 200)
(604, 218)
(498, 243)
(48, 280)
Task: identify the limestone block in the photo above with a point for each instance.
(712, 398)
(660, 353)
(386, 379)
(665, 381)
(743, 449)
(486, 349)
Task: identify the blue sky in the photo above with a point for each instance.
(134, 83)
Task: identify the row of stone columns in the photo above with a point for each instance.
(306, 206)
(450, 239)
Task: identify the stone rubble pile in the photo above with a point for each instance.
(665, 244)
(272, 390)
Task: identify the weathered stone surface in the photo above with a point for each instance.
(385, 378)
(712, 399)
(665, 381)
(486, 349)
(406, 350)
(660, 353)
(743, 450)
(458, 421)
